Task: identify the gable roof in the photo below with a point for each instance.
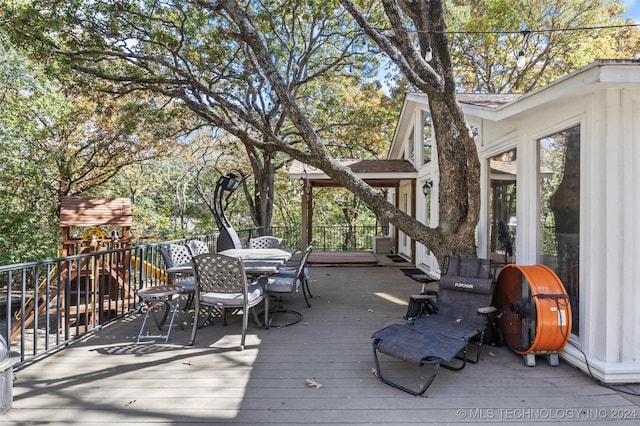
(603, 73)
(487, 100)
(474, 101)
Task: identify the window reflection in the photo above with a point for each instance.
(504, 168)
(559, 186)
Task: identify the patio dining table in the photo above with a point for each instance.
(251, 267)
(260, 261)
(186, 268)
(269, 254)
(261, 267)
(255, 261)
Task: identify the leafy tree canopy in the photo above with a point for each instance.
(264, 72)
(555, 38)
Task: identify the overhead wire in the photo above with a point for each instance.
(506, 32)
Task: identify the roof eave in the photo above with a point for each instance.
(363, 176)
(600, 72)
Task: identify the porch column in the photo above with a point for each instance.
(413, 214)
(307, 214)
(396, 231)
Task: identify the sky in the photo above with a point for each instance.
(633, 9)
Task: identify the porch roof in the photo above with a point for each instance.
(374, 172)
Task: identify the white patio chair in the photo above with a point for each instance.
(198, 247)
(265, 242)
(222, 284)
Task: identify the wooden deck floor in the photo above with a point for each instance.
(108, 379)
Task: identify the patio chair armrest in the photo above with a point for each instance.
(423, 296)
(487, 310)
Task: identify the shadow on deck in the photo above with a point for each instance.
(107, 378)
(355, 258)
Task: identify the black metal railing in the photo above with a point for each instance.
(45, 305)
(326, 238)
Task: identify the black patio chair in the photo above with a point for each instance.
(291, 269)
(288, 281)
(463, 304)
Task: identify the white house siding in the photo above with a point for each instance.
(609, 232)
(610, 275)
(604, 99)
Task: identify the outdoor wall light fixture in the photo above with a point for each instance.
(426, 188)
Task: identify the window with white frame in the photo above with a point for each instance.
(559, 215)
(411, 147)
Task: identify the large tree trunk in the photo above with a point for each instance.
(458, 161)
(261, 200)
(234, 94)
(458, 164)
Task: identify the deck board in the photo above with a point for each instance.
(108, 378)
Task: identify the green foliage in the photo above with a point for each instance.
(489, 34)
(59, 141)
(177, 65)
(24, 235)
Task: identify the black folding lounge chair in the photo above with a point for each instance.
(464, 299)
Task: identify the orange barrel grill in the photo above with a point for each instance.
(533, 311)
